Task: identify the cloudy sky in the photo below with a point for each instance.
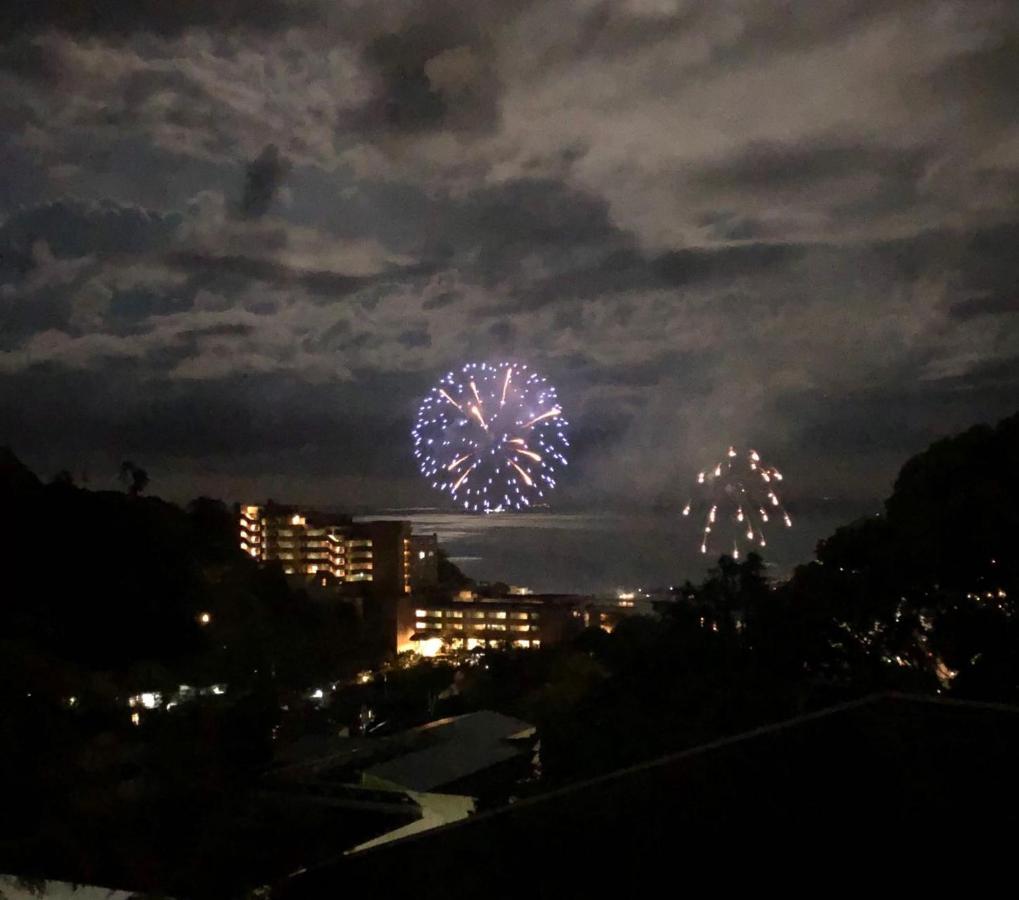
(239, 240)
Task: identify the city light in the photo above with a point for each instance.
(430, 647)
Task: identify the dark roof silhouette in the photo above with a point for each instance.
(888, 770)
(455, 748)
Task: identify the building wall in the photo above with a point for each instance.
(424, 561)
(390, 547)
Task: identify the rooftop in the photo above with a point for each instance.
(887, 771)
(420, 759)
(455, 748)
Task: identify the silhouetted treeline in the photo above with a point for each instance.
(149, 595)
(106, 595)
(919, 599)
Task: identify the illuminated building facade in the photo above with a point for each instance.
(310, 543)
(517, 622)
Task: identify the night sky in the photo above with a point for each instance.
(240, 240)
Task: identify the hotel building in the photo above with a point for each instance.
(310, 543)
(516, 622)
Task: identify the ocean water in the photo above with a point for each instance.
(597, 552)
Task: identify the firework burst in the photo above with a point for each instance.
(738, 498)
(492, 436)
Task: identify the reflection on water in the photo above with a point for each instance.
(592, 552)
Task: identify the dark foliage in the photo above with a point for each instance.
(920, 599)
(107, 595)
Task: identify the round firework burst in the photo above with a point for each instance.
(739, 500)
(493, 436)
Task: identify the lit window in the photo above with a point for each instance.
(420, 613)
(435, 612)
(500, 615)
(478, 614)
(420, 624)
(455, 613)
(535, 643)
(522, 644)
(458, 625)
(421, 554)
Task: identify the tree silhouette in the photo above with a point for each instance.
(135, 478)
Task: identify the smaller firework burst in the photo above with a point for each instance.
(738, 499)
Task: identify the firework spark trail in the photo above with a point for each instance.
(505, 419)
(451, 400)
(544, 415)
(734, 490)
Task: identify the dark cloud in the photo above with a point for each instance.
(226, 329)
(981, 81)
(899, 417)
(125, 17)
(432, 76)
(415, 337)
(986, 305)
(777, 167)
(683, 267)
(440, 300)
(503, 332)
(126, 410)
(211, 268)
(989, 265)
(263, 178)
(496, 230)
(624, 270)
(74, 229)
(30, 60)
(726, 226)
